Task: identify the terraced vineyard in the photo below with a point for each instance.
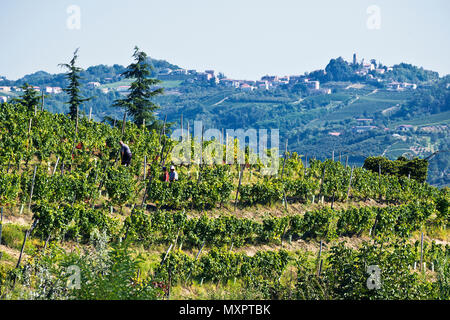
(312, 231)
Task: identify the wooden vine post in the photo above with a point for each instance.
(56, 166)
(319, 260)
(1, 224)
(350, 183)
(29, 133)
(379, 181)
(32, 187)
(421, 252)
(181, 123)
(187, 131)
(282, 173)
(239, 185)
(284, 159)
(27, 234)
(42, 102)
(321, 186)
(196, 258)
(145, 167)
(200, 165)
(167, 253)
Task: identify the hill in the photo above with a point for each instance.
(353, 110)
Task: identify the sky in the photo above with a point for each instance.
(244, 39)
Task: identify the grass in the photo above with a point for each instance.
(435, 119)
(6, 259)
(13, 235)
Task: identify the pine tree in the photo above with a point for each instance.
(73, 90)
(138, 102)
(29, 98)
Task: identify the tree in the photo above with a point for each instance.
(338, 70)
(73, 90)
(29, 98)
(138, 102)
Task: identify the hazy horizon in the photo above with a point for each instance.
(243, 40)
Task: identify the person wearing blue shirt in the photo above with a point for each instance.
(173, 175)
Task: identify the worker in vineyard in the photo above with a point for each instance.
(173, 176)
(165, 176)
(126, 154)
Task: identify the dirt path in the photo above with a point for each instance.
(302, 245)
(12, 253)
(223, 100)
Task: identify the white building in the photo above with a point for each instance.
(247, 87)
(180, 71)
(54, 90)
(3, 99)
(407, 85)
(264, 85)
(165, 71)
(284, 79)
(93, 84)
(123, 89)
(5, 89)
(312, 85)
(369, 66)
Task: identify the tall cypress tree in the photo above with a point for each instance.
(73, 90)
(29, 98)
(138, 102)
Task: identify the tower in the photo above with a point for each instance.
(354, 58)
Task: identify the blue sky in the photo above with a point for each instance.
(244, 39)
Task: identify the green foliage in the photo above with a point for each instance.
(220, 265)
(138, 226)
(402, 167)
(9, 188)
(214, 188)
(12, 235)
(346, 275)
(443, 207)
(73, 89)
(320, 223)
(106, 273)
(75, 221)
(138, 103)
(355, 221)
(405, 72)
(30, 98)
(120, 185)
(265, 193)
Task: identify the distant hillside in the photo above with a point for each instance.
(354, 109)
(99, 73)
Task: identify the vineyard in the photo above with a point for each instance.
(314, 227)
